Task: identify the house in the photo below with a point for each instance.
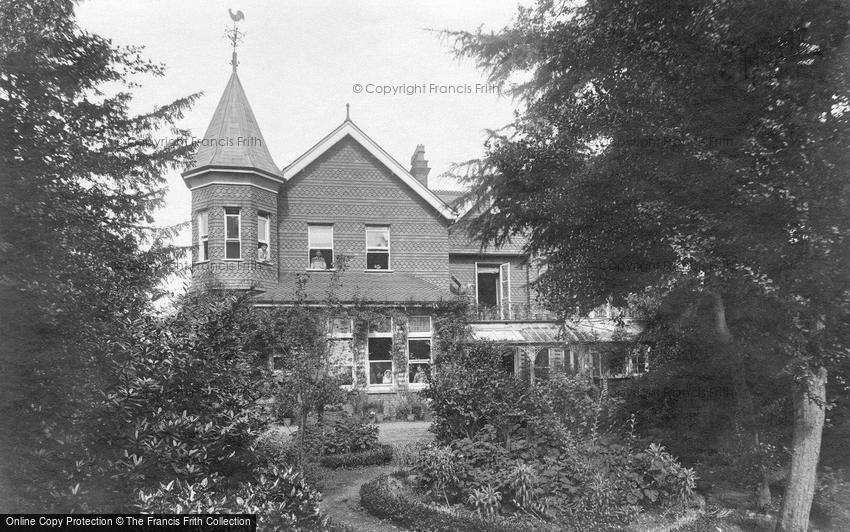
(257, 226)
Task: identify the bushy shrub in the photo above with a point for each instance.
(281, 499)
(383, 454)
(340, 436)
(384, 498)
(832, 499)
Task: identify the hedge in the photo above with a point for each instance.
(381, 454)
(379, 500)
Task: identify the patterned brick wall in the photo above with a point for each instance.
(246, 272)
(349, 188)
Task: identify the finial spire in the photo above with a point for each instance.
(235, 35)
(347, 112)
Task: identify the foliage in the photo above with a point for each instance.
(382, 454)
(382, 497)
(185, 398)
(80, 261)
(340, 436)
(831, 496)
(281, 499)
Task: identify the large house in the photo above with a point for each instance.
(256, 226)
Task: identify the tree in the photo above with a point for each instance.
(80, 177)
(695, 149)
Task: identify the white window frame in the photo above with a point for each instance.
(420, 336)
(379, 250)
(238, 238)
(380, 334)
(503, 302)
(203, 236)
(310, 247)
(338, 336)
(267, 240)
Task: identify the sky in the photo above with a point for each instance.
(301, 62)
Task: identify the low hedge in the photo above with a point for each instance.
(380, 500)
(381, 454)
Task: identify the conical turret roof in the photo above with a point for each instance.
(233, 138)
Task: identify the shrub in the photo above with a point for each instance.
(280, 498)
(380, 455)
(341, 436)
(383, 497)
(831, 499)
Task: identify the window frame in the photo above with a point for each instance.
(369, 250)
(370, 334)
(203, 236)
(310, 248)
(268, 219)
(419, 336)
(238, 238)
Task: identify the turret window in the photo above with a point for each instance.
(232, 233)
(203, 236)
(263, 248)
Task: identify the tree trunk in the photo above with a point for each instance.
(809, 413)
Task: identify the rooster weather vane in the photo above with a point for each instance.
(234, 35)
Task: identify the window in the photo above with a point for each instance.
(508, 360)
(493, 291)
(203, 236)
(320, 244)
(377, 248)
(379, 357)
(541, 365)
(418, 349)
(232, 233)
(263, 248)
(341, 328)
(380, 360)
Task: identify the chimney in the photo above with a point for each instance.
(419, 166)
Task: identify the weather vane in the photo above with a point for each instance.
(235, 35)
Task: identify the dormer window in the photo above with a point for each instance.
(377, 248)
(232, 233)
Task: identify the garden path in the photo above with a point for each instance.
(341, 487)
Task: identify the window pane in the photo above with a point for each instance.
(262, 229)
(383, 326)
(205, 250)
(341, 326)
(232, 251)
(377, 237)
(321, 259)
(203, 219)
(380, 373)
(419, 349)
(417, 373)
(419, 324)
(320, 236)
(380, 349)
(232, 226)
(379, 260)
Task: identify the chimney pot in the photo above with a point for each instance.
(419, 166)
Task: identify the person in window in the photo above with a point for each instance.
(263, 252)
(318, 261)
(419, 376)
(376, 267)
(387, 377)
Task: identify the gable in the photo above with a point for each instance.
(348, 129)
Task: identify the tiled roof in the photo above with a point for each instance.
(459, 242)
(233, 138)
(390, 287)
(448, 196)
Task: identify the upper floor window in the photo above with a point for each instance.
(378, 248)
(320, 247)
(203, 236)
(263, 248)
(232, 233)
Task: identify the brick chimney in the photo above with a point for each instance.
(419, 166)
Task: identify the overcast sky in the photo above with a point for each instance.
(299, 64)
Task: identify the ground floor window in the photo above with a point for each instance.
(541, 365)
(419, 360)
(508, 360)
(380, 360)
